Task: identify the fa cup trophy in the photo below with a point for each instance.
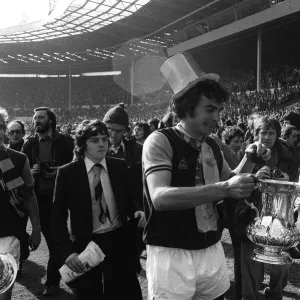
(273, 229)
(8, 272)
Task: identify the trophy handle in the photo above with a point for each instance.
(252, 206)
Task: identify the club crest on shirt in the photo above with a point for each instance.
(183, 165)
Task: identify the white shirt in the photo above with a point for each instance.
(116, 149)
(108, 198)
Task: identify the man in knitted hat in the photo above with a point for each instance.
(117, 122)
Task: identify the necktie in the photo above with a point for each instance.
(98, 194)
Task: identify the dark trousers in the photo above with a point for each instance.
(24, 247)
(45, 205)
(236, 245)
(253, 275)
(115, 277)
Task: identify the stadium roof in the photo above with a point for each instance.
(83, 32)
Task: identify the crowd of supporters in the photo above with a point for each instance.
(93, 96)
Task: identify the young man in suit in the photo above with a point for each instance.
(103, 215)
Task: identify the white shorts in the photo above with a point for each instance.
(179, 274)
(11, 245)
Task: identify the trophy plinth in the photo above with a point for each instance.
(271, 256)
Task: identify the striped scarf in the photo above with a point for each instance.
(10, 183)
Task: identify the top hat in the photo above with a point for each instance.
(182, 73)
(10, 269)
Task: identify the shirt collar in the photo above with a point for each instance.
(116, 149)
(188, 138)
(90, 164)
(49, 136)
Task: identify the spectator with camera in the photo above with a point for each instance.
(282, 165)
(46, 150)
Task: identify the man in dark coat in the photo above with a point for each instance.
(104, 217)
(117, 122)
(46, 150)
(267, 131)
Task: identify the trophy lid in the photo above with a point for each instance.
(279, 182)
(10, 270)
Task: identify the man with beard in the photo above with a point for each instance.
(47, 149)
(16, 133)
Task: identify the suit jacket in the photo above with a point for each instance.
(72, 194)
(133, 157)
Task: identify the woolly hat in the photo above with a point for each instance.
(118, 115)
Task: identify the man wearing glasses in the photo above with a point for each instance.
(16, 133)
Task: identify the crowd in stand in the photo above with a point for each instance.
(92, 96)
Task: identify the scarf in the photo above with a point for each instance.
(206, 172)
(10, 183)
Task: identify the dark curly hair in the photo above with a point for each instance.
(231, 132)
(145, 127)
(265, 122)
(186, 104)
(154, 122)
(287, 130)
(85, 131)
(50, 114)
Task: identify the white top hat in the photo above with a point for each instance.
(182, 73)
(9, 274)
